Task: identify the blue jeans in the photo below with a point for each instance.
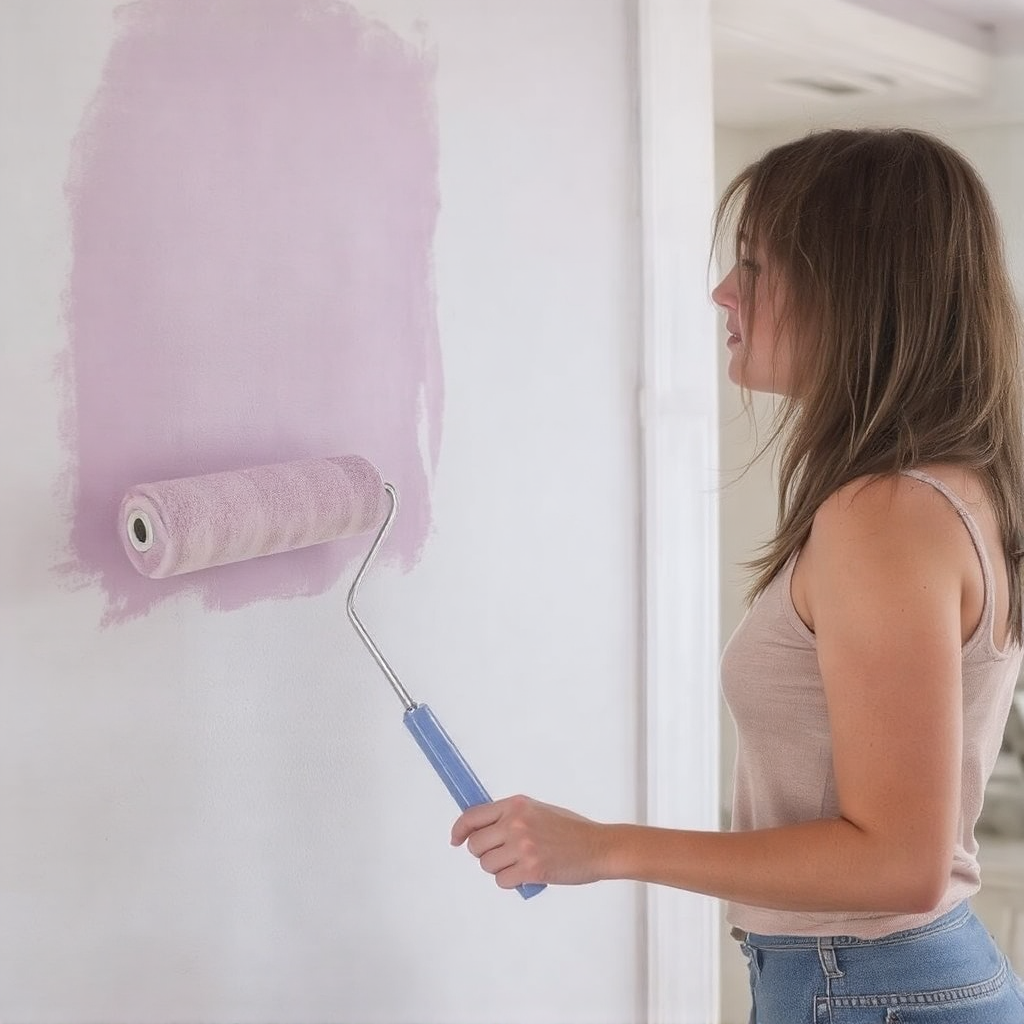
(948, 972)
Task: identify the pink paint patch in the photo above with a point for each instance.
(253, 197)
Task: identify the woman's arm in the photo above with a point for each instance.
(827, 865)
(882, 579)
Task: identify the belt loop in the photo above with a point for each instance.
(827, 956)
(829, 967)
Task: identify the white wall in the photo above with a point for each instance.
(218, 816)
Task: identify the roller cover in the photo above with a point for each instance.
(178, 526)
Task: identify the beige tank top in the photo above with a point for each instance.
(784, 775)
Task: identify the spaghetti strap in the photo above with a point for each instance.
(988, 608)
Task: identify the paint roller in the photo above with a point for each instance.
(192, 523)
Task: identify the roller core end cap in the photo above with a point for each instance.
(140, 529)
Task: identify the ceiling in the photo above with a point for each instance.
(989, 11)
(999, 23)
(782, 61)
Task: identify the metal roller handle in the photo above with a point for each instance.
(452, 768)
(396, 684)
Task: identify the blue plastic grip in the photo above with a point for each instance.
(452, 767)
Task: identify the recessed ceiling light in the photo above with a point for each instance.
(838, 85)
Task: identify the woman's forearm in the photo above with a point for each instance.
(826, 865)
(829, 865)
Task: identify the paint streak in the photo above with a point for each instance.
(253, 195)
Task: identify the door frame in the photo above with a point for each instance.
(679, 418)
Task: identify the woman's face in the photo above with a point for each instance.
(759, 356)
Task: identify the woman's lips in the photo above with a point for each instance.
(734, 340)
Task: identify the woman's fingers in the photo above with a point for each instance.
(471, 820)
(496, 861)
(486, 839)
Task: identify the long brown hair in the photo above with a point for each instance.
(904, 329)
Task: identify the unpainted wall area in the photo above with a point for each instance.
(213, 812)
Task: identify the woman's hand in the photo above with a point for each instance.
(519, 840)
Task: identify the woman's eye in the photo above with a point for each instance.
(750, 265)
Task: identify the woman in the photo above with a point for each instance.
(871, 678)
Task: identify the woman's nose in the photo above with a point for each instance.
(725, 293)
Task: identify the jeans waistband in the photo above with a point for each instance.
(946, 922)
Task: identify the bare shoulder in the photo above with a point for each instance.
(894, 514)
(879, 537)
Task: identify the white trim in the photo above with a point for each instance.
(679, 410)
